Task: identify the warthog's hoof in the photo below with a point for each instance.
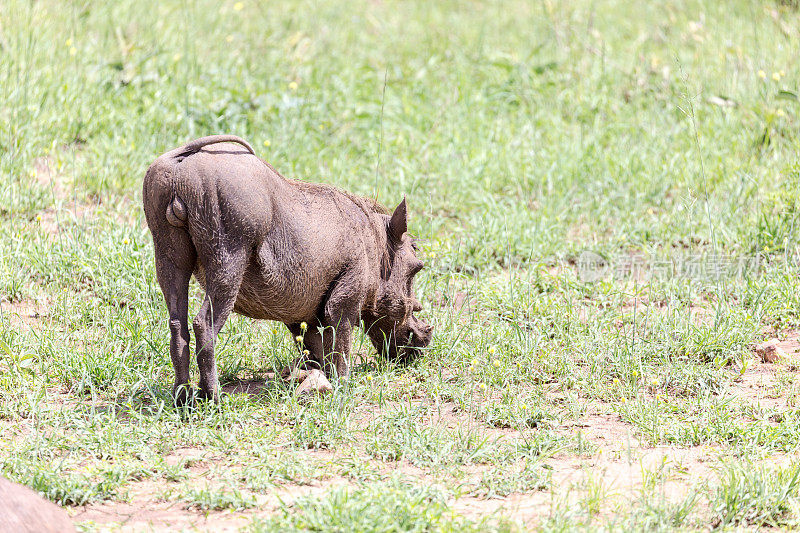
(311, 382)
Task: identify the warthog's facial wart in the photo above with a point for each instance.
(391, 325)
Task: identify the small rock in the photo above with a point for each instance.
(23, 510)
(314, 382)
(770, 351)
(298, 374)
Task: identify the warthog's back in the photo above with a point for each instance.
(299, 236)
(223, 187)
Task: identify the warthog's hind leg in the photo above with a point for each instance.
(222, 287)
(174, 284)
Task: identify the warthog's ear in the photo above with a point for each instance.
(398, 224)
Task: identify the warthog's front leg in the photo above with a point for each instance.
(325, 343)
(341, 313)
(341, 351)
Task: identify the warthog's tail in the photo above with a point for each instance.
(195, 145)
(177, 214)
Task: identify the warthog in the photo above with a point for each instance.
(312, 256)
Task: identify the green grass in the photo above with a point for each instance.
(522, 134)
(217, 499)
(387, 506)
(756, 496)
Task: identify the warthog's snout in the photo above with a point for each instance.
(401, 342)
(420, 333)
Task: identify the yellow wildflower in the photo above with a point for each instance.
(299, 338)
(776, 76)
(303, 326)
(267, 143)
(238, 6)
(229, 39)
(293, 85)
(762, 74)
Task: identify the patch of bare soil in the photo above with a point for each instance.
(606, 430)
(252, 387)
(53, 220)
(791, 344)
(192, 458)
(70, 206)
(644, 306)
(48, 177)
(25, 313)
(619, 456)
(757, 385)
(155, 506)
(617, 470)
(617, 479)
(460, 302)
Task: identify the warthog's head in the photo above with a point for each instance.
(392, 326)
